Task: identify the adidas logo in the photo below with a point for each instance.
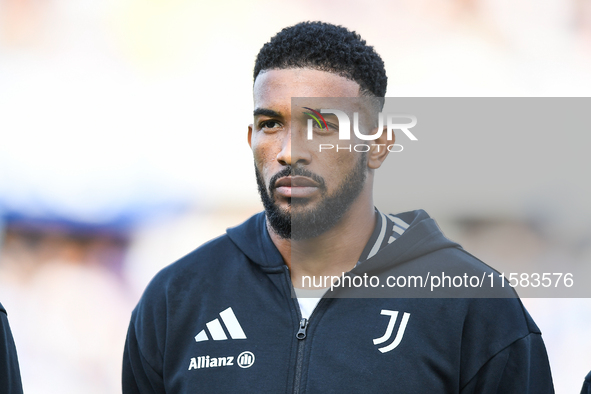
(216, 331)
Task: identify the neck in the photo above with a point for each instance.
(333, 252)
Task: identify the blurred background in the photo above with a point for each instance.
(123, 147)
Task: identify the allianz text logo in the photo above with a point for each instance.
(244, 360)
(401, 122)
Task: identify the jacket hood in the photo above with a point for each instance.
(422, 237)
(253, 239)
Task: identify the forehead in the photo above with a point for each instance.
(275, 88)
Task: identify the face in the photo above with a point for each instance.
(305, 192)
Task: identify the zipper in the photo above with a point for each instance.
(302, 329)
(301, 335)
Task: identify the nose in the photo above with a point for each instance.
(293, 151)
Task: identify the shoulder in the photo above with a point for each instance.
(211, 259)
(496, 331)
(507, 318)
(205, 268)
(587, 384)
(179, 290)
(3, 319)
(204, 258)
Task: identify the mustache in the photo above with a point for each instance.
(295, 171)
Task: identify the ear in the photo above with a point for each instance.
(250, 136)
(379, 150)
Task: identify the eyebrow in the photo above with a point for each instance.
(266, 112)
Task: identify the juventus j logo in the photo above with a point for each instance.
(393, 316)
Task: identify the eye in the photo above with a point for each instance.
(269, 125)
(332, 128)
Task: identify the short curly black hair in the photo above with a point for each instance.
(326, 47)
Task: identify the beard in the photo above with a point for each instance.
(309, 222)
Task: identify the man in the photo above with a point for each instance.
(223, 319)
(587, 384)
(10, 377)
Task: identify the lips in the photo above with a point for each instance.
(296, 187)
(296, 181)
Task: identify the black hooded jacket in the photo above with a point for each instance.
(222, 320)
(10, 377)
(587, 385)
